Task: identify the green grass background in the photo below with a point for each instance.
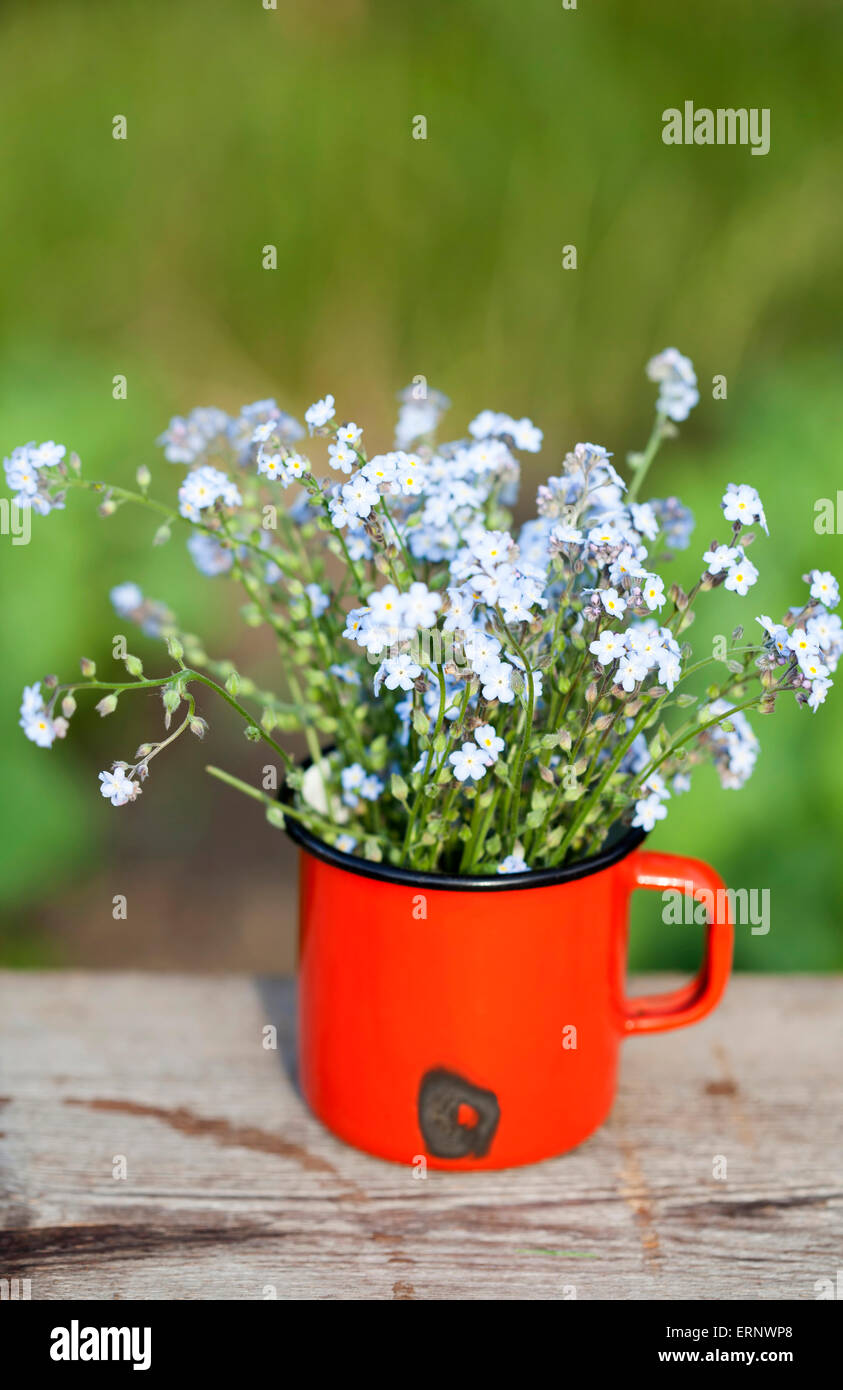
(397, 257)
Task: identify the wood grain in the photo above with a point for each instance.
(233, 1190)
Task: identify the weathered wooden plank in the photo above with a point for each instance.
(233, 1190)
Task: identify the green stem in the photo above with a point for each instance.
(588, 802)
(522, 758)
(407, 561)
(187, 673)
(698, 729)
(652, 448)
(140, 498)
(311, 819)
(420, 796)
(479, 837)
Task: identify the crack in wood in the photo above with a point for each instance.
(721, 1088)
(728, 1086)
(222, 1131)
(636, 1193)
(754, 1206)
(403, 1290)
(25, 1246)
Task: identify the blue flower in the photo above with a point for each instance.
(513, 864)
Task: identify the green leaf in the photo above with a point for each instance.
(399, 787)
(251, 615)
(659, 743)
(421, 723)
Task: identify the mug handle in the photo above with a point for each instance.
(656, 1013)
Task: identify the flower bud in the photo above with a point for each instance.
(68, 706)
(50, 682)
(198, 726)
(107, 705)
(591, 693)
(143, 477)
(88, 668)
(175, 648)
(232, 684)
(134, 665)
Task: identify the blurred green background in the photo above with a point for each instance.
(397, 257)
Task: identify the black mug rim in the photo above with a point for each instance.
(458, 883)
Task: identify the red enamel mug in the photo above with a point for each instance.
(475, 1022)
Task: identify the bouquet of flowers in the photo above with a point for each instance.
(474, 698)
